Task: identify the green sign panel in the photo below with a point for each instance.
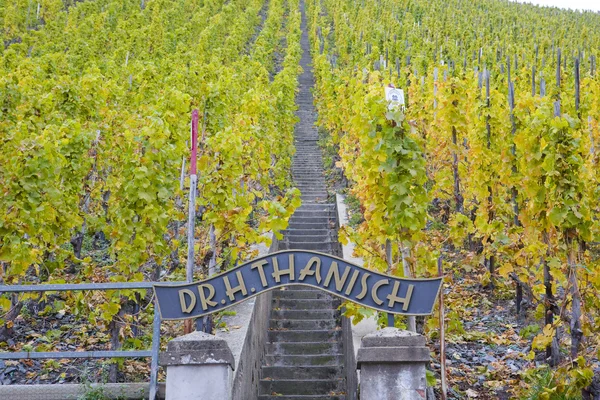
(298, 267)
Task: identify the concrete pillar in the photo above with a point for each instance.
(199, 367)
(392, 365)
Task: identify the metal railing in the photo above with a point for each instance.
(153, 352)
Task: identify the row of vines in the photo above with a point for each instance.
(95, 103)
(492, 165)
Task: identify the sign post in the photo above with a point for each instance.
(189, 271)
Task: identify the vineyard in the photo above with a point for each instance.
(491, 171)
(96, 99)
(488, 174)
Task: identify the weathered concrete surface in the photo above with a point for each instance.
(393, 382)
(392, 337)
(199, 382)
(392, 364)
(199, 366)
(240, 345)
(349, 360)
(246, 335)
(367, 325)
(197, 348)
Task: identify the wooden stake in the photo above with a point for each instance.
(511, 104)
(533, 81)
(388, 257)
(558, 55)
(442, 333)
(411, 320)
(577, 85)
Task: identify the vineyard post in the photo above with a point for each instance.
(542, 86)
(552, 351)
(189, 270)
(590, 119)
(435, 89)
(576, 331)
(577, 87)
(457, 195)
(442, 332)
(511, 104)
(488, 128)
(386, 57)
(388, 257)
(533, 81)
(558, 55)
(404, 251)
(514, 193)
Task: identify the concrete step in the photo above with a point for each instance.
(302, 397)
(307, 195)
(315, 372)
(324, 335)
(304, 361)
(313, 193)
(310, 184)
(305, 304)
(303, 287)
(302, 246)
(321, 219)
(304, 348)
(317, 246)
(319, 200)
(301, 386)
(308, 225)
(314, 213)
(310, 166)
(309, 180)
(302, 324)
(308, 238)
(301, 294)
(303, 232)
(318, 207)
(315, 172)
(328, 207)
(311, 189)
(304, 314)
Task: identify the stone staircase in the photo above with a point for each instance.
(304, 354)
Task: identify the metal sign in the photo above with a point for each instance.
(298, 267)
(394, 96)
